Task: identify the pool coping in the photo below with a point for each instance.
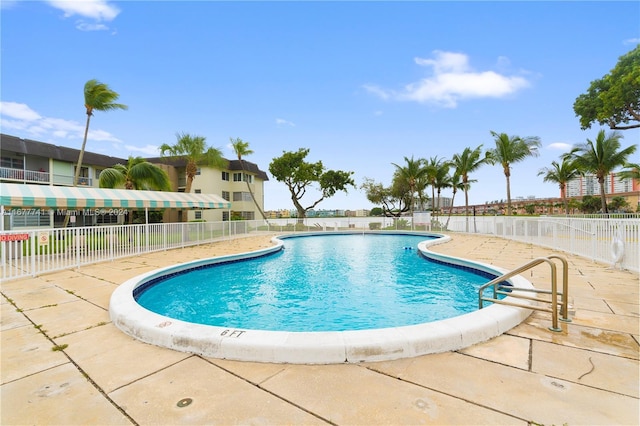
(316, 347)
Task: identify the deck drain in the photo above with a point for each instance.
(184, 402)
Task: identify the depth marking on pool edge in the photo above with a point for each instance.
(233, 333)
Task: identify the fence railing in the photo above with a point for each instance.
(37, 251)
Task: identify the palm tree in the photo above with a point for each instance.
(468, 161)
(509, 150)
(97, 97)
(413, 174)
(632, 172)
(442, 180)
(455, 185)
(432, 166)
(560, 173)
(194, 151)
(601, 158)
(138, 173)
(241, 148)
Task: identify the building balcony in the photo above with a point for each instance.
(8, 174)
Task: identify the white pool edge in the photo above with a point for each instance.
(314, 347)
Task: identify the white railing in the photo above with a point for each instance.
(32, 252)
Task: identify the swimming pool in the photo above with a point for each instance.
(236, 340)
(332, 282)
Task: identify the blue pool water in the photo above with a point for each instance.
(320, 283)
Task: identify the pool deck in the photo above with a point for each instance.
(587, 374)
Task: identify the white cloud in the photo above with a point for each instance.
(21, 118)
(452, 79)
(631, 41)
(560, 146)
(96, 10)
(99, 10)
(283, 122)
(18, 111)
(149, 150)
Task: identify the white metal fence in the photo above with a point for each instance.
(32, 252)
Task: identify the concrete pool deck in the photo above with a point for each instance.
(587, 374)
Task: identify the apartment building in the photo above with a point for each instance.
(32, 162)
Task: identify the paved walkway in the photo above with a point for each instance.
(64, 363)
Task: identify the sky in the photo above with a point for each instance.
(362, 85)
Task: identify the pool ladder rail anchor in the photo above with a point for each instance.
(562, 305)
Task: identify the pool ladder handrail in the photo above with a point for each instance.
(499, 289)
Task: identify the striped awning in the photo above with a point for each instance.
(22, 195)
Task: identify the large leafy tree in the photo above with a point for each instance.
(97, 97)
(414, 175)
(468, 161)
(241, 148)
(560, 174)
(394, 199)
(613, 100)
(601, 157)
(194, 150)
(509, 150)
(138, 173)
(298, 174)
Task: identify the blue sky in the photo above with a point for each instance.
(361, 84)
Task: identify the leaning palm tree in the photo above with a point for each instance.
(509, 150)
(97, 97)
(468, 161)
(413, 174)
(194, 150)
(241, 148)
(560, 173)
(601, 158)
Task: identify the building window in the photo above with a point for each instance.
(242, 177)
(242, 196)
(225, 216)
(225, 176)
(12, 163)
(198, 191)
(198, 171)
(199, 214)
(225, 195)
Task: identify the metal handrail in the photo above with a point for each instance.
(564, 305)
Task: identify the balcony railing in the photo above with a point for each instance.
(35, 176)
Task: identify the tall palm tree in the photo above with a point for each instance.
(241, 148)
(442, 180)
(467, 162)
(432, 166)
(194, 150)
(601, 158)
(97, 97)
(138, 173)
(456, 185)
(509, 150)
(560, 173)
(413, 174)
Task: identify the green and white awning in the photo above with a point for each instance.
(45, 196)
